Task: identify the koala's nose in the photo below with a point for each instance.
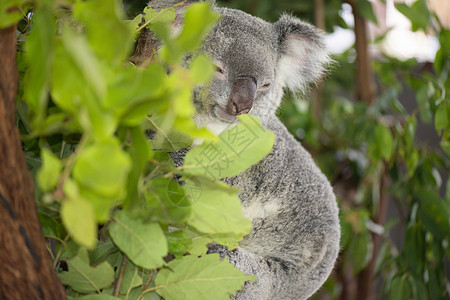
(242, 96)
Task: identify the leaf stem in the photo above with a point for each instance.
(119, 279)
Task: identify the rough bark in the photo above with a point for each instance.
(26, 269)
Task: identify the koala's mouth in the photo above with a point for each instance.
(222, 115)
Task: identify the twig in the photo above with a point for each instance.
(118, 283)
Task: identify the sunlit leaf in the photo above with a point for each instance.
(103, 168)
(108, 34)
(48, 175)
(238, 148)
(9, 14)
(215, 210)
(39, 51)
(78, 216)
(202, 69)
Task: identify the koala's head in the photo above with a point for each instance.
(254, 61)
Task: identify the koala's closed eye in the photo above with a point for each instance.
(220, 71)
(265, 86)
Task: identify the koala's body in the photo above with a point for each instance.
(294, 241)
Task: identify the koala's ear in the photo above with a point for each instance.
(302, 53)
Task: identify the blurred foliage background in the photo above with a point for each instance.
(379, 129)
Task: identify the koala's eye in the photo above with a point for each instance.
(266, 85)
(219, 70)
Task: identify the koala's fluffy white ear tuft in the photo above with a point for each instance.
(303, 54)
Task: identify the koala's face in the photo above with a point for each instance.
(254, 60)
(245, 52)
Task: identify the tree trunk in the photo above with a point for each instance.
(365, 88)
(26, 269)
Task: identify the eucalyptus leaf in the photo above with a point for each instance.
(140, 154)
(202, 69)
(400, 288)
(206, 277)
(144, 243)
(108, 34)
(366, 10)
(215, 211)
(131, 278)
(9, 15)
(384, 141)
(238, 148)
(84, 278)
(103, 168)
(166, 201)
(78, 216)
(418, 13)
(48, 175)
(39, 54)
(442, 117)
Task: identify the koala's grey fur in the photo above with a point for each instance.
(294, 242)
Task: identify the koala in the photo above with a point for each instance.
(294, 241)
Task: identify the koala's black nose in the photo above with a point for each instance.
(242, 96)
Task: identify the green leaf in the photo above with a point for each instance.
(103, 168)
(215, 210)
(206, 277)
(39, 53)
(199, 19)
(102, 251)
(423, 96)
(134, 86)
(201, 240)
(202, 69)
(442, 117)
(75, 87)
(445, 145)
(109, 35)
(418, 13)
(97, 297)
(239, 147)
(9, 14)
(179, 243)
(365, 9)
(140, 153)
(166, 201)
(51, 226)
(414, 250)
(400, 288)
(434, 213)
(131, 278)
(165, 15)
(86, 279)
(78, 216)
(48, 175)
(85, 60)
(144, 243)
(384, 141)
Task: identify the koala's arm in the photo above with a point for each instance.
(295, 237)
